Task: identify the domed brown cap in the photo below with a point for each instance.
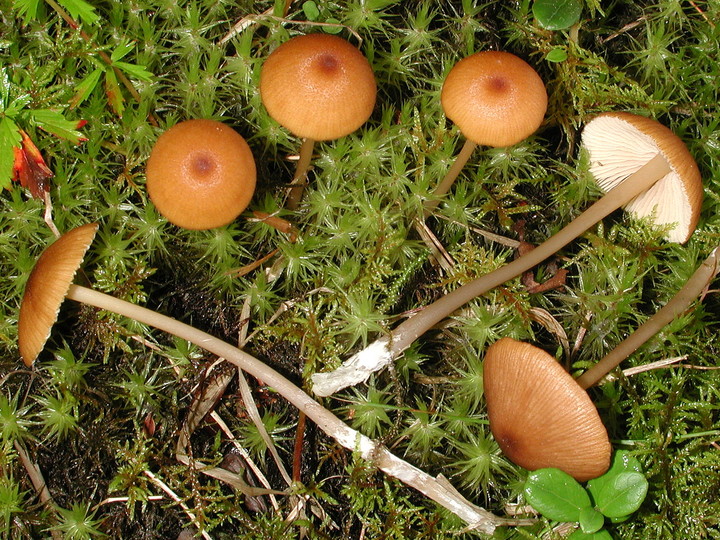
(619, 143)
(47, 286)
(539, 415)
(495, 98)
(201, 174)
(318, 86)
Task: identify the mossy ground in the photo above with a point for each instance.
(103, 406)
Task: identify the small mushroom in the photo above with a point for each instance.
(201, 174)
(47, 287)
(320, 87)
(539, 416)
(664, 157)
(693, 288)
(496, 99)
(620, 143)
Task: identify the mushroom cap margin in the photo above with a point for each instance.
(47, 286)
(619, 143)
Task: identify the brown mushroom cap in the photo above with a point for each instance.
(201, 174)
(495, 98)
(47, 286)
(318, 86)
(539, 415)
(619, 143)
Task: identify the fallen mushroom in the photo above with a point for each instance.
(201, 174)
(320, 87)
(51, 281)
(657, 155)
(539, 416)
(496, 99)
(694, 286)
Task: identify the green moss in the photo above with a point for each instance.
(355, 266)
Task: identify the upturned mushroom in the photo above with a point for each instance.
(50, 282)
(539, 416)
(201, 174)
(496, 99)
(320, 87)
(652, 154)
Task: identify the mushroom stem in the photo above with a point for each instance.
(444, 186)
(405, 334)
(381, 352)
(299, 178)
(677, 305)
(434, 488)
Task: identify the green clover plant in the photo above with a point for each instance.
(614, 495)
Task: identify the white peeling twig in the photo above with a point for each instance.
(354, 370)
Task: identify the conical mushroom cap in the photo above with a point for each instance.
(47, 286)
(318, 86)
(495, 98)
(539, 415)
(619, 143)
(201, 174)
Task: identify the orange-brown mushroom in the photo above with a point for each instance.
(320, 87)
(496, 99)
(201, 174)
(539, 415)
(47, 287)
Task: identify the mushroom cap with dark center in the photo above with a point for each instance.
(47, 286)
(318, 86)
(495, 98)
(201, 174)
(619, 143)
(539, 415)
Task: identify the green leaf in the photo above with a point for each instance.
(333, 29)
(4, 89)
(591, 520)
(79, 9)
(312, 13)
(17, 105)
(85, 87)
(558, 54)
(9, 138)
(599, 535)
(134, 70)
(112, 91)
(121, 51)
(54, 122)
(557, 14)
(556, 494)
(623, 495)
(622, 462)
(27, 9)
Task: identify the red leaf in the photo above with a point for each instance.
(30, 169)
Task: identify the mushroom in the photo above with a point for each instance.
(320, 87)
(656, 155)
(694, 286)
(496, 99)
(51, 280)
(539, 416)
(201, 174)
